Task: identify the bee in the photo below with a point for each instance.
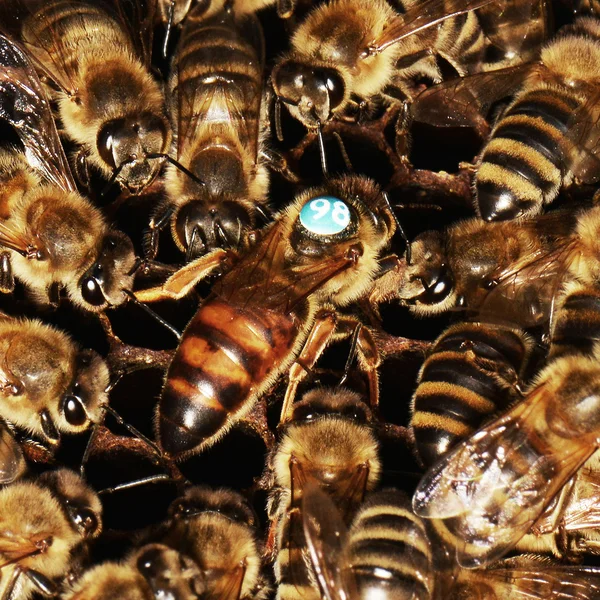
(389, 552)
(472, 372)
(545, 138)
(53, 238)
(511, 271)
(328, 441)
(44, 524)
(275, 308)
(48, 384)
(217, 530)
(216, 101)
(493, 487)
(108, 102)
(150, 572)
(331, 72)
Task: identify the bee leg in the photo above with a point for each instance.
(7, 279)
(158, 221)
(256, 422)
(54, 290)
(10, 586)
(41, 582)
(317, 341)
(277, 162)
(82, 170)
(183, 281)
(402, 140)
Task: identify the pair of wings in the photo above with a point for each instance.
(234, 102)
(493, 487)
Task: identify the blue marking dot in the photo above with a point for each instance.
(325, 215)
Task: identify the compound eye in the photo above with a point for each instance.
(325, 215)
(92, 292)
(74, 410)
(440, 289)
(85, 520)
(106, 141)
(334, 84)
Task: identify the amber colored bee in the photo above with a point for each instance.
(216, 90)
(48, 384)
(545, 138)
(389, 552)
(108, 102)
(54, 238)
(472, 372)
(44, 525)
(328, 441)
(152, 571)
(493, 487)
(331, 71)
(276, 304)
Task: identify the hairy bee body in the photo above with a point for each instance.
(109, 104)
(328, 442)
(530, 155)
(470, 374)
(217, 93)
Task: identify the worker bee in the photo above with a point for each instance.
(276, 304)
(150, 572)
(545, 138)
(108, 102)
(328, 441)
(472, 372)
(389, 552)
(217, 530)
(54, 238)
(331, 71)
(48, 384)
(12, 461)
(44, 525)
(216, 101)
(511, 271)
(493, 487)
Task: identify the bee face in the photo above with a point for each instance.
(311, 93)
(124, 145)
(103, 283)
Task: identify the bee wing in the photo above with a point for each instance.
(13, 239)
(422, 16)
(137, 17)
(235, 100)
(24, 105)
(516, 27)
(495, 485)
(230, 584)
(352, 493)
(12, 462)
(539, 579)
(465, 101)
(325, 535)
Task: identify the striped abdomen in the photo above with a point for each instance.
(389, 550)
(470, 375)
(577, 322)
(225, 359)
(525, 162)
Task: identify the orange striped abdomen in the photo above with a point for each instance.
(226, 356)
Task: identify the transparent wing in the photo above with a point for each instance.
(422, 16)
(24, 105)
(494, 486)
(326, 535)
(464, 101)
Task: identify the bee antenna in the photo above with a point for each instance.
(176, 164)
(322, 149)
(171, 18)
(137, 265)
(154, 315)
(112, 180)
(133, 484)
(399, 228)
(345, 156)
(351, 355)
(278, 130)
(265, 213)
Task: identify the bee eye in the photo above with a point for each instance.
(92, 292)
(325, 215)
(74, 411)
(84, 519)
(334, 85)
(105, 142)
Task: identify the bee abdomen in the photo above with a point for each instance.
(225, 355)
(524, 163)
(389, 550)
(577, 324)
(470, 375)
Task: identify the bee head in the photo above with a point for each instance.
(310, 93)
(126, 146)
(103, 283)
